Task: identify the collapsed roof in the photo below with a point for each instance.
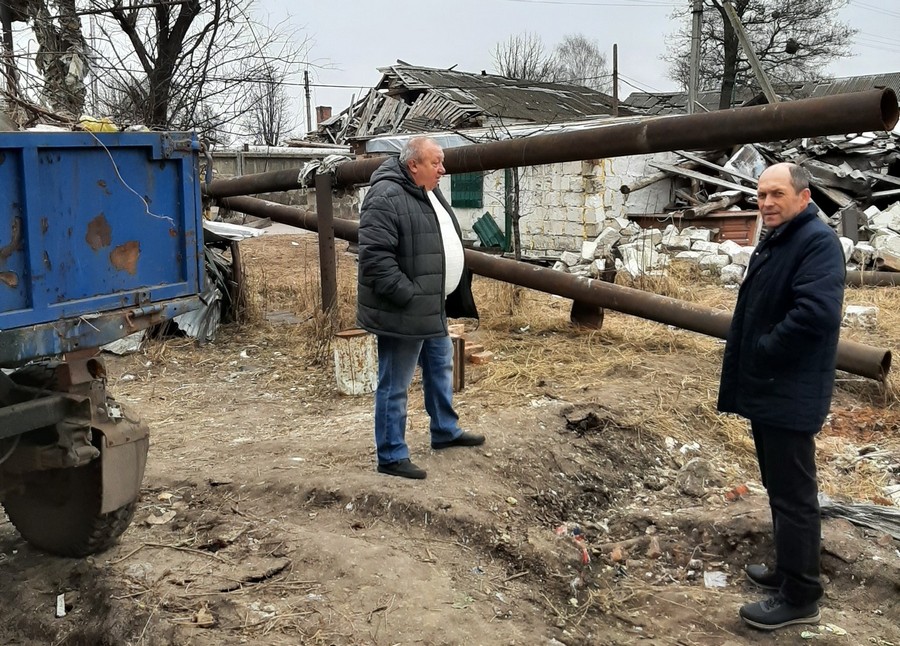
(411, 99)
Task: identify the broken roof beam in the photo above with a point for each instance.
(649, 180)
(894, 192)
(675, 170)
(716, 167)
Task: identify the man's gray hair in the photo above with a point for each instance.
(800, 177)
(413, 148)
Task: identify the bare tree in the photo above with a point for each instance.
(579, 61)
(793, 40)
(174, 64)
(61, 58)
(523, 57)
(266, 114)
(576, 60)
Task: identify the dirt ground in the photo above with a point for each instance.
(263, 521)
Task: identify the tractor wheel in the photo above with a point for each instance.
(58, 511)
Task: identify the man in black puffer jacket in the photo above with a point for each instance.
(412, 276)
(778, 371)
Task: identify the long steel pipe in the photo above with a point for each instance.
(853, 357)
(842, 113)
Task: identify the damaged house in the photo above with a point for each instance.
(559, 205)
(638, 212)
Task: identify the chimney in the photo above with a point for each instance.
(323, 113)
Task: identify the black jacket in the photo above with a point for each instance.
(781, 350)
(401, 260)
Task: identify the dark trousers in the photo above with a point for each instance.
(787, 463)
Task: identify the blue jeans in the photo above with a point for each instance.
(397, 359)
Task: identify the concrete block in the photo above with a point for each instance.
(714, 261)
(623, 223)
(577, 230)
(570, 258)
(847, 246)
(594, 200)
(886, 241)
(860, 316)
(559, 265)
(705, 247)
(729, 248)
(632, 229)
(732, 274)
(697, 234)
(638, 259)
(690, 256)
(572, 199)
(588, 249)
(459, 329)
(654, 236)
(608, 237)
(743, 256)
(676, 243)
(575, 214)
(598, 267)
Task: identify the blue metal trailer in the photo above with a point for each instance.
(100, 236)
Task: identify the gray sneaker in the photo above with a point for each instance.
(775, 612)
(763, 577)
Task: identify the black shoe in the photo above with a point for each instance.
(403, 468)
(775, 612)
(763, 577)
(463, 439)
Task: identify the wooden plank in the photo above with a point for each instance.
(721, 169)
(890, 179)
(675, 170)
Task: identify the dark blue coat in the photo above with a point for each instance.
(401, 260)
(781, 350)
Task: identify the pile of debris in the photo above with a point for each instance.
(855, 184)
(623, 246)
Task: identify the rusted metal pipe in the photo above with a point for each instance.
(327, 261)
(873, 278)
(860, 359)
(838, 114)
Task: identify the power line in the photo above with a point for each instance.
(864, 5)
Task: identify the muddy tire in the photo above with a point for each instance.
(58, 511)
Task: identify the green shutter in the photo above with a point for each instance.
(467, 190)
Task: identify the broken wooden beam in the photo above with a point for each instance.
(716, 167)
(712, 206)
(676, 170)
(649, 180)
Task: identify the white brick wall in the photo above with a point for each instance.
(564, 204)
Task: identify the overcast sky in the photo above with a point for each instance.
(349, 40)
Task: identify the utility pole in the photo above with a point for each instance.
(308, 106)
(615, 110)
(6, 51)
(697, 19)
(751, 55)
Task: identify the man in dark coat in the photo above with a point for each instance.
(778, 371)
(412, 276)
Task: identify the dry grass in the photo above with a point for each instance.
(658, 379)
